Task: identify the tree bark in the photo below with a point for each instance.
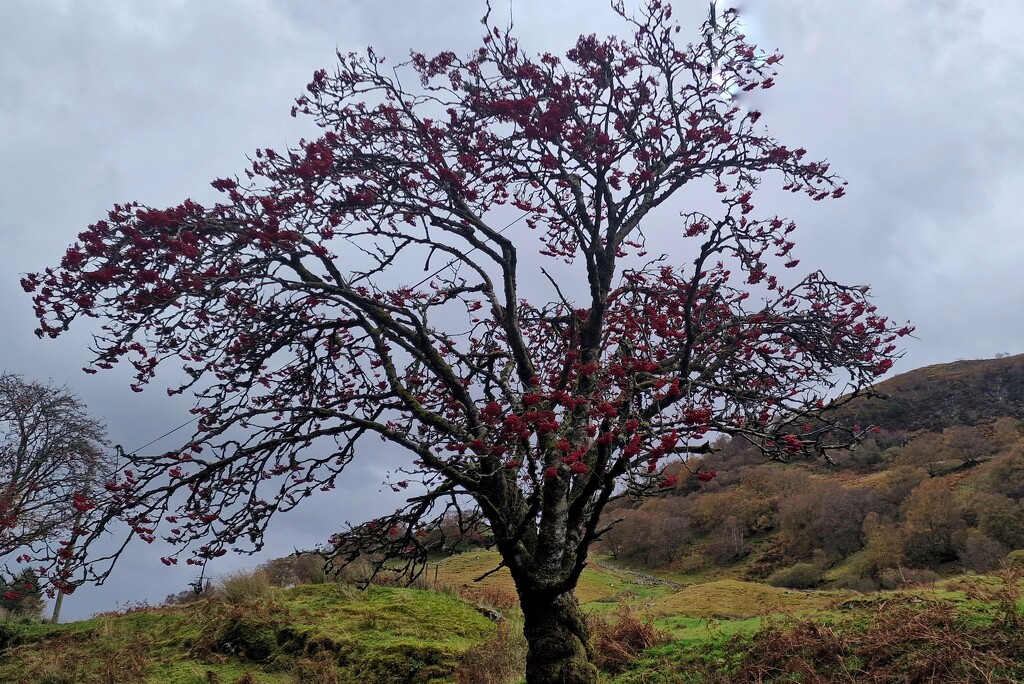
(558, 640)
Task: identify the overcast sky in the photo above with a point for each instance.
(919, 104)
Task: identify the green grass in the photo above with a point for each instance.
(408, 636)
(383, 635)
(730, 599)
(691, 631)
(694, 644)
(966, 628)
(599, 587)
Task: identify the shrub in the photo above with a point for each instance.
(691, 562)
(299, 568)
(982, 553)
(357, 571)
(854, 582)
(242, 586)
(799, 576)
(21, 596)
(617, 644)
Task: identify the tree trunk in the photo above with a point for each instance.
(558, 640)
(57, 603)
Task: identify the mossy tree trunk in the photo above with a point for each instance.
(558, 640)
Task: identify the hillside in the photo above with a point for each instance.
(249, 632)
(939, 489)
(948, 394)
(306, 634)
(699, 633)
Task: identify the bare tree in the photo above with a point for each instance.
(53, 466)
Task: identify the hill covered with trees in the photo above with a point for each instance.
(938, 489)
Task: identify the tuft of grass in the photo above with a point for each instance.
(243, 585)
(320, 668)
(494, 600)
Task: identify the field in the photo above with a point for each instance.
(647, 630)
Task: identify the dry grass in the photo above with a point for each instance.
(908, 641)
(70, 661)
(495, 598)
(463, 570)
(903, 644)
(244, 585)
(618, 643)
(318, 669)
(500, 660)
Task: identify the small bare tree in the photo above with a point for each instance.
(53, 464)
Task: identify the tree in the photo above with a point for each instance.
(884, 546)
(998, 517)
(1005, 475)
(649, 536)
(934, 525)
(827, 516)
(298, 568)
(53, 464)
(970, 444)
(22, 596)
(539, 395)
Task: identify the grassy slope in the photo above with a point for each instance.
(599, 586)
(404, 636)
(382, 635)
